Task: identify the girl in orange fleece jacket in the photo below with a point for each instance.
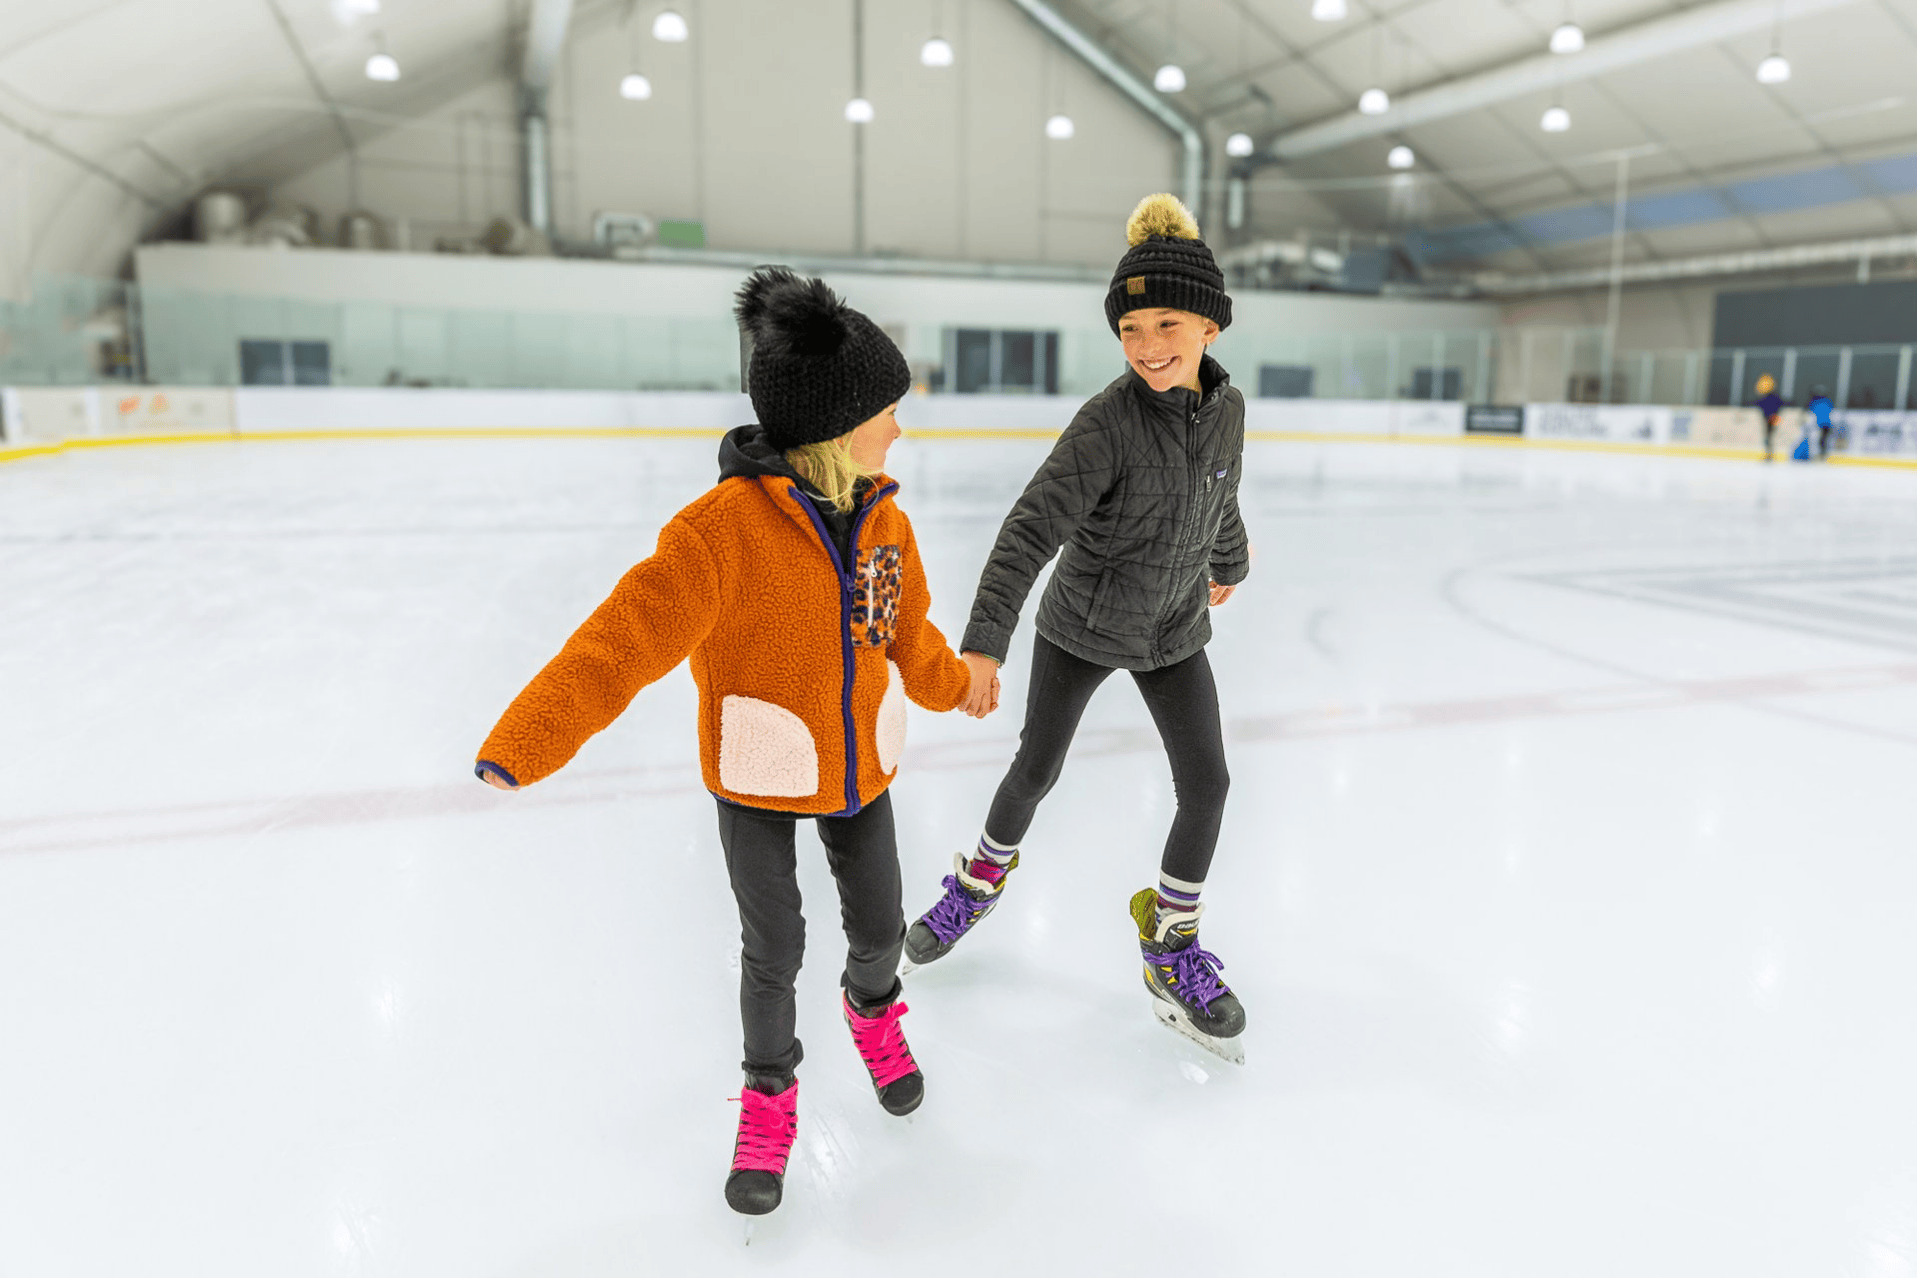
(795, 587)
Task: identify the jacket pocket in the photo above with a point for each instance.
(876, 596)
(890, 726)
(766, 750)
(1102, 617)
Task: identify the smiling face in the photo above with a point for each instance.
(871, 438)
(1164, 346)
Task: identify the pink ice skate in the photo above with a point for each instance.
(760, 1147)
(897, 1081)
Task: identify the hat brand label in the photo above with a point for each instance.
(1136, 285)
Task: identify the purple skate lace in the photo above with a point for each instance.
(953, 913)
(1194, 978)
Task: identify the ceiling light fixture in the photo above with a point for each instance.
(1567, 38)
(1556, 120)
(1329, 10)
(1401, 157)
(859, 111)
(1374, 102)
(383, 67)
(1239, 145)
(636, 87)
(1059, 127)
(1774, 69)
(1170, 79)
(670, 27)
(936, 53)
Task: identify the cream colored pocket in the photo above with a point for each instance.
(766, 749)
(890, 728)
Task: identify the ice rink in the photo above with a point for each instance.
(1568, 879)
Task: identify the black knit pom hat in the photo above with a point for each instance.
(1167, 266)
(819, 368)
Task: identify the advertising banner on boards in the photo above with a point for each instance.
(1874, 433)
(170, 410)
(1601, 423)
(1717, 427)
(1496, 419)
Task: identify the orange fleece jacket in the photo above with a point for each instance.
(803, 677)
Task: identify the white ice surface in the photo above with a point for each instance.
(1568, 879)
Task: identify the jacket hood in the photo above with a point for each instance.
(745, 453)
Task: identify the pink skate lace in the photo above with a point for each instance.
(767, 1126)
(880, 1043)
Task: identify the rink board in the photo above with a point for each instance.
(39, 419)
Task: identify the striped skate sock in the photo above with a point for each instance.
(990, 861)
(1176, 896)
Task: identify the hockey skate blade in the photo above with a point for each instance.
(907, 965)
(1227, 1049)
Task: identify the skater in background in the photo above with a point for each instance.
(1141, 490)
(1820, 405)
(1769, 405)
(796, 588)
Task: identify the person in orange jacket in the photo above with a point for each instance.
(795, 587)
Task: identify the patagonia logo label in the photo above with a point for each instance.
(1136, 285)
(1220, 474)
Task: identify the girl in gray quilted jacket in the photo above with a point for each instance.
(1141, 491)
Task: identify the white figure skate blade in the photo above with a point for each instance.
(907, 965)
(1227, 1049)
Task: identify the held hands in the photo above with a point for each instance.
(983, 694)
(1218, 594)
(493, 779)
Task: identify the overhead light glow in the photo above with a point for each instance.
(1567, 38)
(1239, 146)
(349, 10)
(1374, 102)
(1556, 120)
(1329, 10)
(936, 53)
(1059, 127)
(636, 87)
(1774, 70)
(1401, 157)
(669, 27)
(1170, 79)
(382, 66)
(859, 111)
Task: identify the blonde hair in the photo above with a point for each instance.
(829, 466)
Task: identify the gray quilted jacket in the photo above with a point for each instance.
(1143, 492)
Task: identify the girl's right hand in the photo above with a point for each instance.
(983, 692)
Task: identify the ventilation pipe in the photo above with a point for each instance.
(1746, 263)
(1631, 46)
(1193, 160)
(546, 35)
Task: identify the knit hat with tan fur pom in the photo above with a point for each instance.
(1167, 265)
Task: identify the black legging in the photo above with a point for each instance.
(865, 862)
(1185, 708)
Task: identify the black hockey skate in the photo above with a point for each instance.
(972, 890)
(1188, 995)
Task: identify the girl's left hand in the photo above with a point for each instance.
(1218, 594)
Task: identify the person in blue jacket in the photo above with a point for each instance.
(1821, 406)
(1769, 405)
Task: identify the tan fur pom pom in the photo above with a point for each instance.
(1161, 215)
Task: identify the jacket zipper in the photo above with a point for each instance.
(845, 573)
(1191, 524)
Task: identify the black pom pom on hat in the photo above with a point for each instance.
(819, 367)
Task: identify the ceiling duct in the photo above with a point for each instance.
(1193, 160)
(546, 36)
(1743, 263)
(1630, 46)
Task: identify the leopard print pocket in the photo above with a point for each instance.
(876, 595)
